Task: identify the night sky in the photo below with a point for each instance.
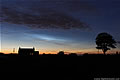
(54, 25)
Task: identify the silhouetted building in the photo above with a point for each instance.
(36, 53)
(27, 51)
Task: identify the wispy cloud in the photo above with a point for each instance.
(49, 39)
(119, 42)
(41, 18)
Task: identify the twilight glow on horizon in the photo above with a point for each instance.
(57, 25)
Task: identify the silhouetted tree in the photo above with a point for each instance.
(73, 54)
(117, 52)
(61, 53)
(105, 41)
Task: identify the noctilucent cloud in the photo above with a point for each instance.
(54, 25)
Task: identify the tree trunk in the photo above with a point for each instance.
(104, 52)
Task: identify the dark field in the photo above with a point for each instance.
(65, 66)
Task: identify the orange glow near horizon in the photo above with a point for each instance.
(93, 51)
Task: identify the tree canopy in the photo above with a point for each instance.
(105, 41)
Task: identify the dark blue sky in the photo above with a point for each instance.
(53, 25)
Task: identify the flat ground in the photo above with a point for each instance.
(69, 67)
